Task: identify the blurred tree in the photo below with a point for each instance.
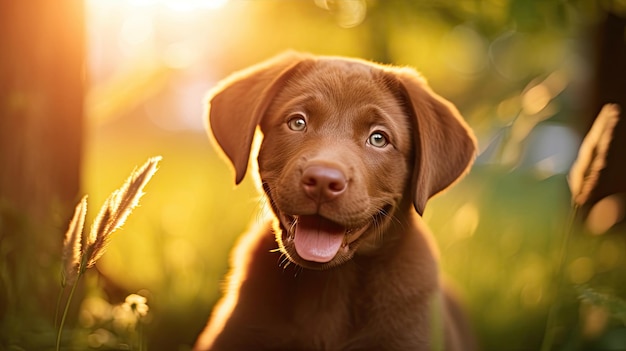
(41, 106)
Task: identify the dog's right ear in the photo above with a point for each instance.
(237, 105)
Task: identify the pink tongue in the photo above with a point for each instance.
(318, 239)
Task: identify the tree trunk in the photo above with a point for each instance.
(42, 49)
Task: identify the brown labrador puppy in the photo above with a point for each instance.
(351, 152)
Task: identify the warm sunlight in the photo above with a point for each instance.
(180, 5)
(136, 46)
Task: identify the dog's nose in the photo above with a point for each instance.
(323, 183)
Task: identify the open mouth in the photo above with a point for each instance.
(317, 239)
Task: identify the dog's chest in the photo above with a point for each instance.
(341, 310)
(325, 309)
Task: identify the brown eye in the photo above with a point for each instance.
(377, 139)
(297, 123)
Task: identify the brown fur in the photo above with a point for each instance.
(381, 290)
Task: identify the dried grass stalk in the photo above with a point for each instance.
(72, 243)
(585, 171)
(116, 209)
(79, 255)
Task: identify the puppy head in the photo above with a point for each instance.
(345, 142)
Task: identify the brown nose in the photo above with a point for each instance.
(322, 183)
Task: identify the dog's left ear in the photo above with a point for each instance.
(445, 146)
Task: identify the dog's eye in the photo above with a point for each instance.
(297, 123)
(378, 139)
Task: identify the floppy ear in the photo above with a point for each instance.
(445, 146)
(237, 105)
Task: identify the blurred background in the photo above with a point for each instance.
(90, 89)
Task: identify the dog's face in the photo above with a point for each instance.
(347, 146)
(334, 161)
